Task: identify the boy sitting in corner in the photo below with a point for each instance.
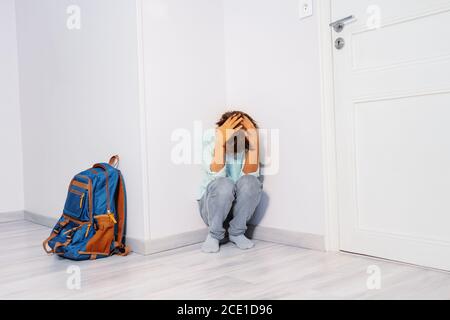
(231, 186)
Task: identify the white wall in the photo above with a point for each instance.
(11, 173)
(185, 81)
(79, 99)
(272, 60)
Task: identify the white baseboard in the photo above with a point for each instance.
(290, 238)
(136, 245)
(11, 216)
(40, 219)
(140, 246)
(287, 237)
(176, 241)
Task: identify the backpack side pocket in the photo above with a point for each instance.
(101, 241)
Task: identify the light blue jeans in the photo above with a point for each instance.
(224, 197)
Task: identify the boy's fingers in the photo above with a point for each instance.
(232, 121)
(236, 122)
(228, 121)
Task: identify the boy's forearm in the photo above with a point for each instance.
(218, 161)
(252, 157)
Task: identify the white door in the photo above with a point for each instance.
(392, 93)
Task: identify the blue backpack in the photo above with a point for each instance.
(93, 222)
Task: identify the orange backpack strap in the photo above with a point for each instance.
(55, 232)
(46, 241)
(121, 207)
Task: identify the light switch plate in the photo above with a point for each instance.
(305, 8)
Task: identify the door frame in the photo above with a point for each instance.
(329, 145)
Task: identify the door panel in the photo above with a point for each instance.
(403, 175)
(407, 40)
(392, 92)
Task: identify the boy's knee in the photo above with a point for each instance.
(249, 184)
(223, 187)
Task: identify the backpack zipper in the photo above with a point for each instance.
(89, 190)
(79, 193)
(111, 216)
(87, 230)
(81, 200)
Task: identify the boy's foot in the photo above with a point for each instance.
(242, 242)
(210, 245)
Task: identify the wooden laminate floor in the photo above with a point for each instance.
(269, 271)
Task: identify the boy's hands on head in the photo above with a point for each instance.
(250, 130)
(230, 127)
(226, 131)
(248, 125)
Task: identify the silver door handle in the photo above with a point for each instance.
(339, 25)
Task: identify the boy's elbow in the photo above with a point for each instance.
(252, 168)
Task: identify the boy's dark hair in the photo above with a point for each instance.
(229, 114)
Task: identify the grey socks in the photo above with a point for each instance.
(242, 242)
(210, 245)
